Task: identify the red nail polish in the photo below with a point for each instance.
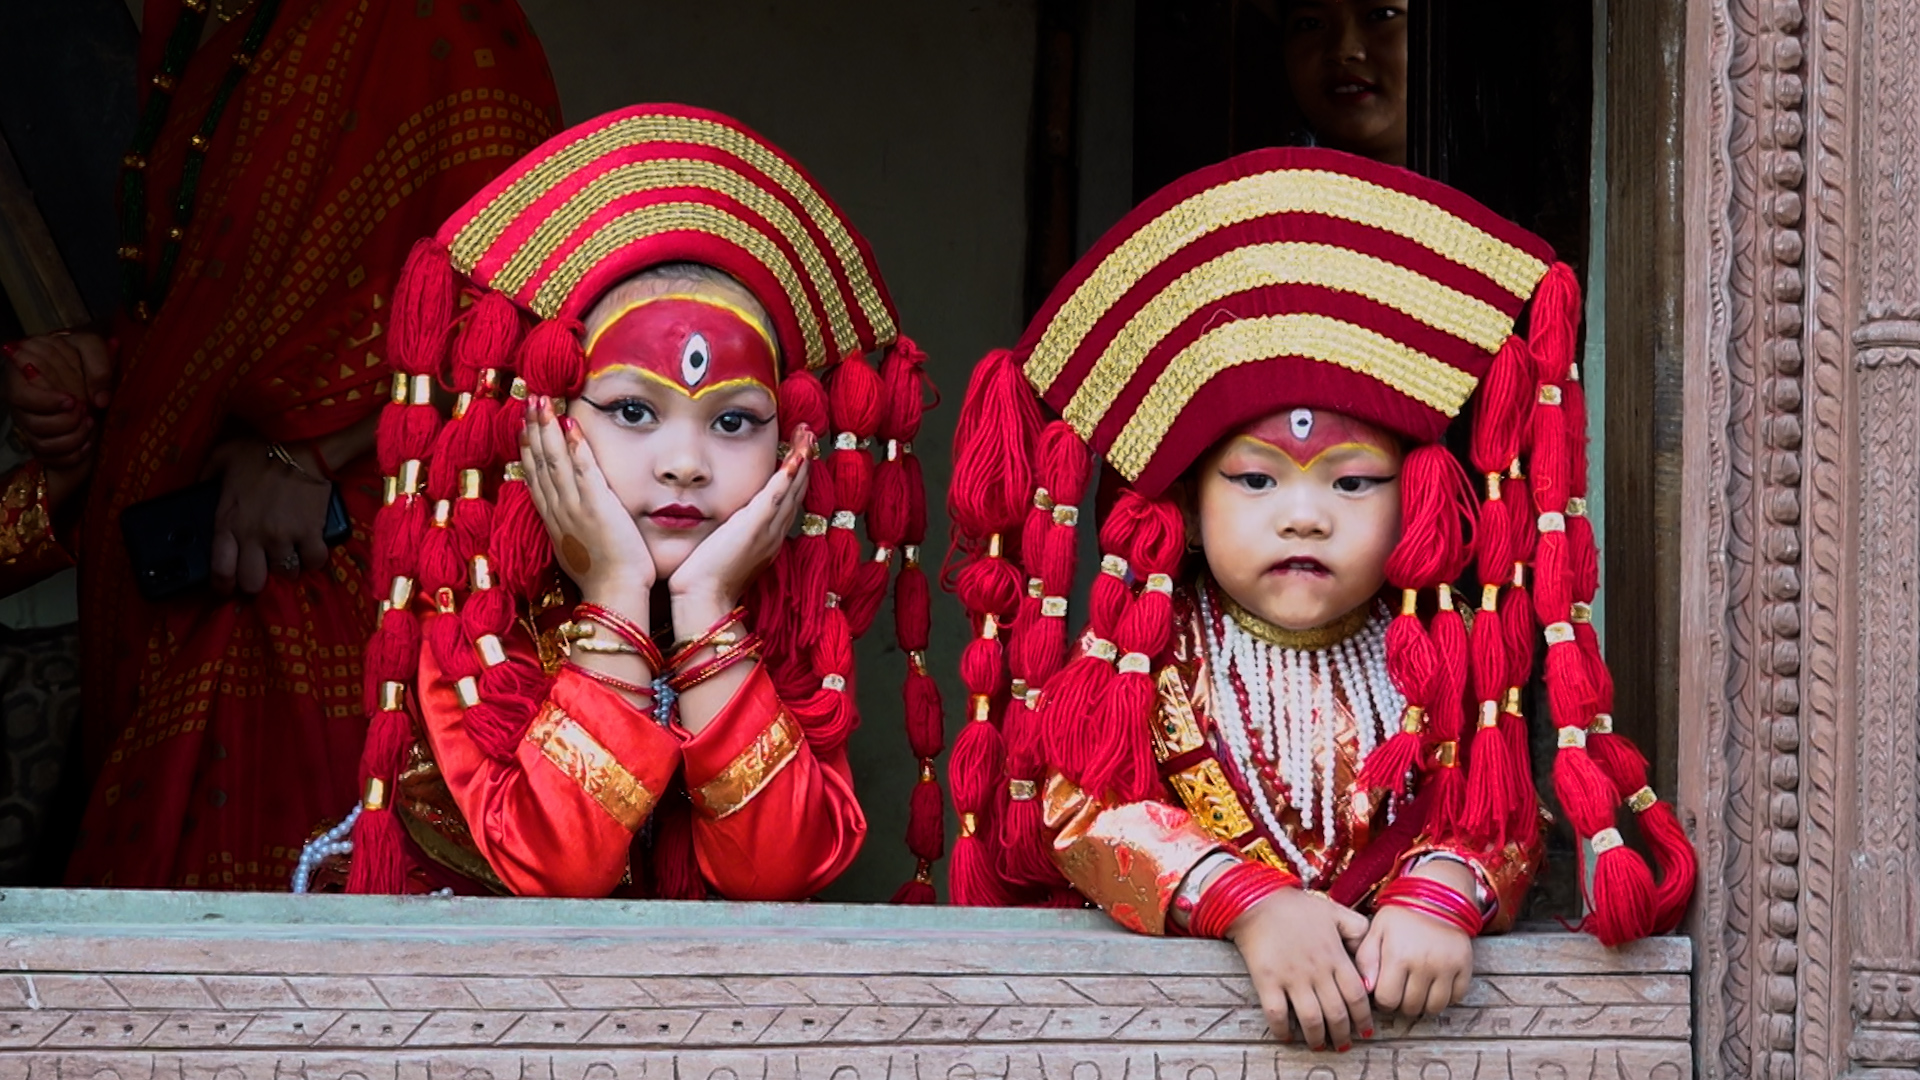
(30, 371)
(1346, 1048)
(1367, 1034)
(9, 347)
(567, 424)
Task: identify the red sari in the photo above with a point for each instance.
(224, 731)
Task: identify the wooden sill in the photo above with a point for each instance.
(204, 986)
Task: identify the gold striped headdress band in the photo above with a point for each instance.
(655, 184)
(1279, 278)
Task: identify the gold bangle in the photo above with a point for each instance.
(279, 452)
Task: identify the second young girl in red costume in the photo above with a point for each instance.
(1281, 724)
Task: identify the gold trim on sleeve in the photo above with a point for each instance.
(586, 762)
(750, 772)
(25, 525)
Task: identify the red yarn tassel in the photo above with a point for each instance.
(1673, 853)
(915, 892)
(1623, 898)
(379, 852)
(1413, 668)
(552, 360)
(927, 821)
(521, 548)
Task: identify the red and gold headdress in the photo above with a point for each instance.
(1283, 279)
(590, 208)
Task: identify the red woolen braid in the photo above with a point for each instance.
(897, 520)
(992, 485)
(1501, 779)
(423, 309)
(1622, 892)
(1119, 756)
(1616, 755)
(1432, 550)
(1050, 544)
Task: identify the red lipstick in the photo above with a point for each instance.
(678, 516)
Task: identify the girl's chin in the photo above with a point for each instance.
(1301, 613)
(668, 554)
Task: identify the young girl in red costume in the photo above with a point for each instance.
(603, 666)
(1282, 725)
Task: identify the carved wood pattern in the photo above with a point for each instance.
(1887, 864)
(1478, 1061)
(1884, 950)
(470, 1001)
(1752, 59)
(1828, 711)
(1806, 453)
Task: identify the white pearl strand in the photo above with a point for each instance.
(1289, 730)
(334, 841)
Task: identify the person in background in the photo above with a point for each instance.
(288, 153)
(1347, 66)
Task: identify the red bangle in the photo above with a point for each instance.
(631, 632)
(681, 653)
(1230, 895)
(747, 649)
(1434, 899)
(614, 681)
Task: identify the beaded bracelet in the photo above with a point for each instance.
(1434, 899)
(613, 681)
(748, 648)
(1232, 894)
(714, 635)
(633, 632)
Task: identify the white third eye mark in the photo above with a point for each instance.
(1302, 421)
(694, 360)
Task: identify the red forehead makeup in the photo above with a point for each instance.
(693, 344)
(1307, 435)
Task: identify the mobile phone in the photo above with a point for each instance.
(170, 538)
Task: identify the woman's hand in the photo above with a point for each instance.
(595, 538)
(716, 574)
(1416, 964)
(54, 383)
(1295, 946)
(271, 518)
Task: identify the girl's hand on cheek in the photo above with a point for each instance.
(717, 572)
(1295, 946)
(595, 538)
(1416, 964)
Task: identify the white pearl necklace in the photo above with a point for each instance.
(1291, 714)
(335, 841)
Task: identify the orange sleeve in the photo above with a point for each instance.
(559, 818)
(1130, 859)
(29, 551)
(772, 819)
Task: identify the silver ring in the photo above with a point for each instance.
(290, 564)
